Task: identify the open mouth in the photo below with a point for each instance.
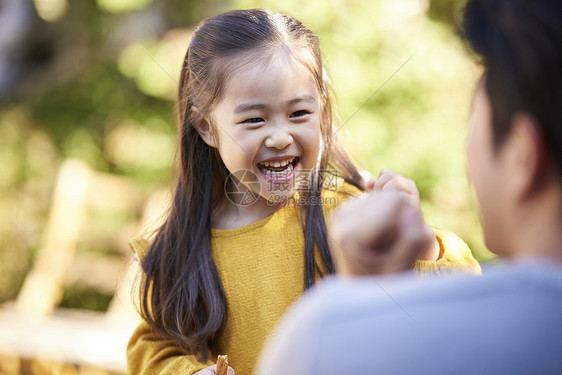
(279, 170)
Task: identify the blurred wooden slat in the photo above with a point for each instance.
(95, 272)
(42, 288)
(36, 336)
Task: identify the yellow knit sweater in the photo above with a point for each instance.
(261, 267)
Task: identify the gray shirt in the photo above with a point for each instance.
(508, 321)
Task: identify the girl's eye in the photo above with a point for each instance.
(253, 120)
(299, 114)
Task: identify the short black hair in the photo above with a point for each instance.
(520, 43)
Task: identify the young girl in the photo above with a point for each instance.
(259, 169)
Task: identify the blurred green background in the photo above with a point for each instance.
(96, 81)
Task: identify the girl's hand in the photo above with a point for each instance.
(389, 180)
(383, 232)
(212, 370)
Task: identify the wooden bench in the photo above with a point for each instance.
(37, 336)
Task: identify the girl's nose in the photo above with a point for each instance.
(279, 140)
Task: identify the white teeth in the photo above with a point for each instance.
(286, 164)
(277, 164)
(287, 171)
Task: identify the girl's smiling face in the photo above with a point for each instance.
(268, 122)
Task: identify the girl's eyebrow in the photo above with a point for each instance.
(306, 98)
(244, 107)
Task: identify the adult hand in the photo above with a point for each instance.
(381, 232)
(212, 370)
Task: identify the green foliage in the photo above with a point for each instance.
(85, 299)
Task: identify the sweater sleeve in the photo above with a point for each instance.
(454, 258)
(148, 352)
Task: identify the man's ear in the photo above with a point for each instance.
(528, 155)
(203, 126)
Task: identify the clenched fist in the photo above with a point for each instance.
(382, 231)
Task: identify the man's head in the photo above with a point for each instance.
(515, 147)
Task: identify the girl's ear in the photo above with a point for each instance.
(203, 126)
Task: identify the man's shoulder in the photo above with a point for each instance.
(511, 292)
(498, 278)
(487, 316)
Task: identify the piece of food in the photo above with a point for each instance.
(222, 364)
